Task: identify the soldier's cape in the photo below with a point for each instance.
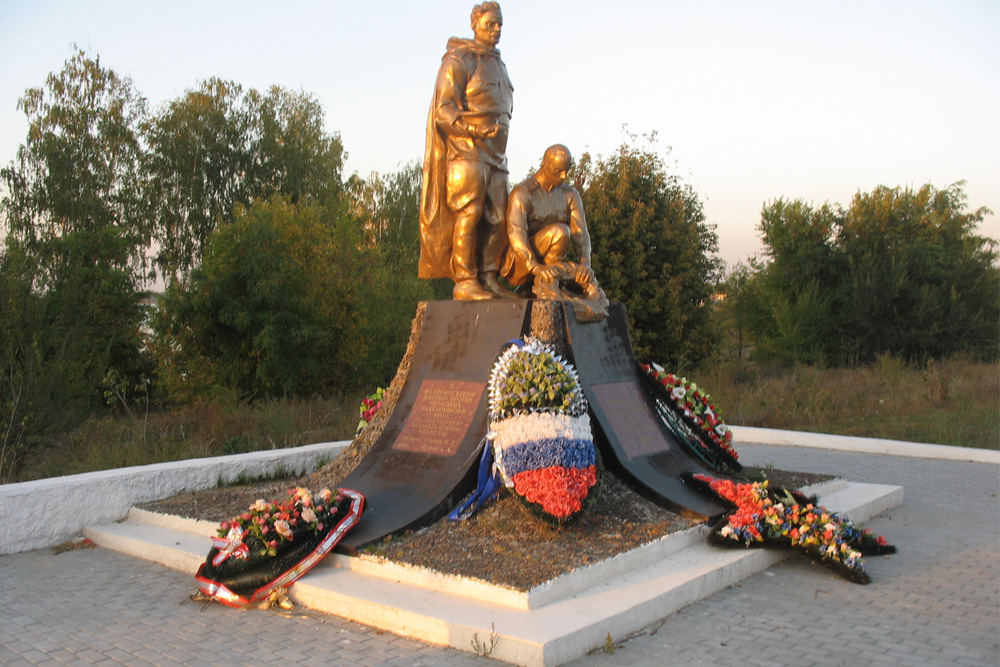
(437, 220)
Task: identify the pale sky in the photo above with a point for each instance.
(757, 100)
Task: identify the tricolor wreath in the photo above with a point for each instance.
(540, 445)
(272, 544)
(764, 517)
(540, 435)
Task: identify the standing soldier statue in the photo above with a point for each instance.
(463, 200)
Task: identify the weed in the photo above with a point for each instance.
(484, 649)
(758, 473)
(375, 550)
(238, 444)
(219, 425)
(950, 402)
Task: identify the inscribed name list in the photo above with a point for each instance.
(440, 417)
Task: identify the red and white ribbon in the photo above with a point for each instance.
(230, 545)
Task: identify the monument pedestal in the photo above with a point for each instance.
(424, 461)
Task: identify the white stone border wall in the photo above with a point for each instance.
(47, 512)
(845, 443)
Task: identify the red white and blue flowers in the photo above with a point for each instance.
(540, 432)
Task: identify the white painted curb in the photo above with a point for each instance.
(46, 512)
(845, 443)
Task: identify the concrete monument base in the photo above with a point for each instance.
(552, 624)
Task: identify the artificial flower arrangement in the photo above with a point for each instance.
(764, 517)
(369, 406)
(272, 544)
(540, 433)
(700, 426)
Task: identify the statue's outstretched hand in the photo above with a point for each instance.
(546, 272)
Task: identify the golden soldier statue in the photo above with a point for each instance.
(545, 220)
(464, 195)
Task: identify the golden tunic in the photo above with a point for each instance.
(472, 91)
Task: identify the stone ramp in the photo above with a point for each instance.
(425, 460)
(636, 444)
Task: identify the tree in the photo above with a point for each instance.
(198, 170)
(74, 256)
(900, 271)
(296, 158)
(741, 308)
(652, 251)
(271, 312)
(799, 285)
(919, 282)
(74, 191)
(386, 211)
(220, 146)
(20, 384)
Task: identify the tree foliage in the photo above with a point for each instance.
(271, 309)
(385, 208)
(101, 186)
(899, 271)
(220, 146)
(652, 251)
(920, 283)
(74, 191)
(298, 159)
(73, 262)
(799, 283)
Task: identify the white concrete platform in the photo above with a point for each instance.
(550, 625)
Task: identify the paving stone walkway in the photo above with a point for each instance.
(937, 602)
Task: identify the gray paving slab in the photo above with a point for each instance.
(937, 602)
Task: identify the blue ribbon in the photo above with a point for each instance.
(487, 486)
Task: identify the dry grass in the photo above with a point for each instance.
(214, 427)
(954, 402)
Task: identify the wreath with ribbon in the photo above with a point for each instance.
(693, 418)
(540, 445)
(272, 544)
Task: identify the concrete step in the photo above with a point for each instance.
(551, 625)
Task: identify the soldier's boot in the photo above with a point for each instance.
(466, 290)
(493, 241)
(463, 261)
(492, 285)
